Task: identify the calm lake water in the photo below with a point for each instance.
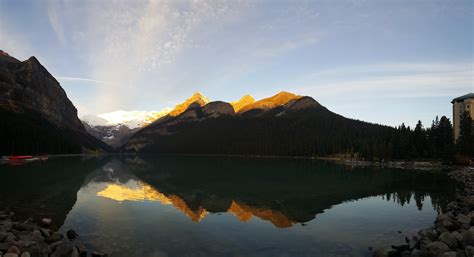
(215, 206)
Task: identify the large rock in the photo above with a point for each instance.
(468, 237)
(64, 249)
(437, 248)
(55, 237)
(13, 249)
(449, 239)
(34, 248)
(469, 251)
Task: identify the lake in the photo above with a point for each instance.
(217, 206)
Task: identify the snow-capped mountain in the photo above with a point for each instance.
(131, 119)
(115, 127)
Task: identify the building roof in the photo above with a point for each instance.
(462, 98)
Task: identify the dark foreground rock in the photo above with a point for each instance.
(452, 235)
(27, 239)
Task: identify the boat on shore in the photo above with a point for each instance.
(20, 159)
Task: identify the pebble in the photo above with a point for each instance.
(46, 221)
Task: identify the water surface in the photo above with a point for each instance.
(215, 206)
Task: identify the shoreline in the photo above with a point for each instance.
(397, 164)
(426, 165)
(29, 238)
(452, 234)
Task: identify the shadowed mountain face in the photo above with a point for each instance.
(282, 125)
(37, 116)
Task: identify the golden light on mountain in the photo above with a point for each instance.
(196, 98)
(244, 212)
(150, 118)
(181, 205)
(279, 99)
(242, 102)
(144, 192)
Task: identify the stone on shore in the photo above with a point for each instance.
(98, 254)
(64, 249)
(46, 221)
(437, 248)
(13, 249)
(55, 237)
(469, 251)
(449, 239)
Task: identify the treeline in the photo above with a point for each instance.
(316, 132)
(28, 133)
(434, 142)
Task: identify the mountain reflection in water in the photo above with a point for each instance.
(215, 206)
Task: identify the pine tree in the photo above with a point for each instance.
(465, 142)
(444, 142)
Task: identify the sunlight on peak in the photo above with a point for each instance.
(197, 97)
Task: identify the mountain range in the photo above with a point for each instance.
(39, 118)
(114, 128)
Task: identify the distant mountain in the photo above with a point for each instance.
(196, 100)
(242, 102)
(114, 128)
(37, 116)
(284, 124)
(269, 103)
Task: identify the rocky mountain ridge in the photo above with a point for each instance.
(37, 115)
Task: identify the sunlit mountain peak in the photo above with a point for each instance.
(242, 102)
(196, 99)
(279, 99)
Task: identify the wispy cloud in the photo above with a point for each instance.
(391, 80)
(62, 78)
(133, 42)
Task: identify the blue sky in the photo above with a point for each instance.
(383, 61)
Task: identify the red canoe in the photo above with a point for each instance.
(19, 157)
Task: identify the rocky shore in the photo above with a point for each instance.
(452, 234)
(29, 239)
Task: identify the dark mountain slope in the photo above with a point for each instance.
(299, 127)
(36, 115)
